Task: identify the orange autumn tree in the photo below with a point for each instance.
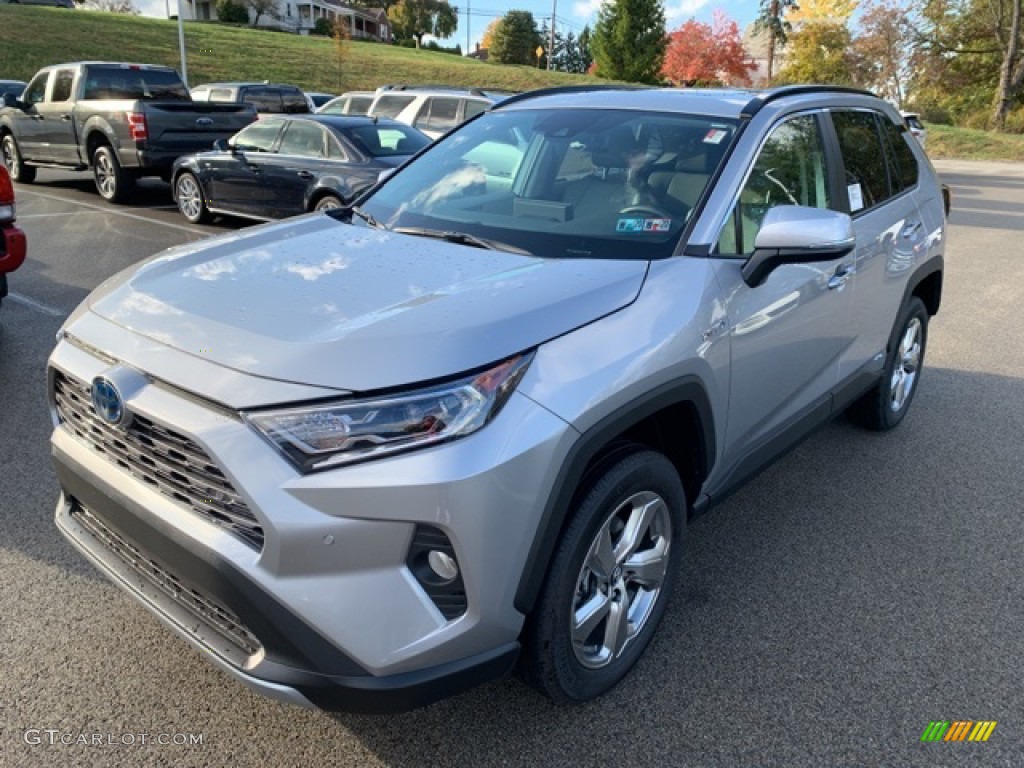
(707, 54)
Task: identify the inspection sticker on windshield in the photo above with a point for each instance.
(714, 136)
(643, 225)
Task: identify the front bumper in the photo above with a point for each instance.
(337, 618)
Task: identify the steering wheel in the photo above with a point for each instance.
(646, 209)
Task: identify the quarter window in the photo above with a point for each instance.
(790, 170)
(905, 172)
(867, 183)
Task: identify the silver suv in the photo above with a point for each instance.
(368, 458)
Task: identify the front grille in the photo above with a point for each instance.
(160, 457)
(199, 605)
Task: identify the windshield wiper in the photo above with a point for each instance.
(365, 217)
(461, 238)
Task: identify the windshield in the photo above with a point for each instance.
(561, 183)
(134, 83)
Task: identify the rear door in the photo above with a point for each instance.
(880, 174)
(788, 333)
(292, 172)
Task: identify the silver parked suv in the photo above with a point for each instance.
(371, 457)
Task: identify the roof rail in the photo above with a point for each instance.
(758, 102)
(555, 90)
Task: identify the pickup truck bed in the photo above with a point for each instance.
(123, 121)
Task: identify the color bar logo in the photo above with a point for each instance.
(958, 730)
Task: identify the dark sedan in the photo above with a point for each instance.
(285, 165)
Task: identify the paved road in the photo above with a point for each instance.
(860, 588)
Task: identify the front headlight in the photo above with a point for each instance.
(343, 432)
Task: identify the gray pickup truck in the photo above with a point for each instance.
(122, 121)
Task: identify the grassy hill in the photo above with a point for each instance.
(32, 37)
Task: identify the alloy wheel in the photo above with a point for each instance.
(620, 580)
(105, 175)
(906, 365)
(189, 199)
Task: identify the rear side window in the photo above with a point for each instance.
(438, 114)
(293, 101)
(62, 85)
(139, 84)
(221, 94)
(359, 105)
(474, 108)
(389, 105)
(867, 182)
(904, 172)
(264, 99)
(303, 139)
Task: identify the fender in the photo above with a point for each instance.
(688, 389)
(919, 275)
(95, 124)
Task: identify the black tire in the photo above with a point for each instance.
(188, 193)
(16, 167)
(113, 183)
(327, 202)
(551, 661)
(884, 407)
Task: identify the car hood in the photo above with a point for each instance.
(318, 302)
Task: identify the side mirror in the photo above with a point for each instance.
(796, 234)
(221, 145)
(385, 174)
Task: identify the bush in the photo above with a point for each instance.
(322, 27)
(1015, 121)
(433, 46)
(232, 13)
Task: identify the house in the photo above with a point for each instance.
(301, 16)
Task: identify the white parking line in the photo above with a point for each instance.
(23, 216)
(111, 210)
(46, 309)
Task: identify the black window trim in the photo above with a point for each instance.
(288, 124)
(884, 142)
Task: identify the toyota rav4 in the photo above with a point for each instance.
(371, 457)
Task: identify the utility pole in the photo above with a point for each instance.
(468, 9)
(181, 44)
(551, 42)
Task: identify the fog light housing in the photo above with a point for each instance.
(434, 564)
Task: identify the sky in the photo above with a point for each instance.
(569, 14)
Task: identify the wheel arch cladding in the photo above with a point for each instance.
(675, 419)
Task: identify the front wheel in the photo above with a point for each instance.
(610, 579)
(24, 174)
(189, 195)
(112, 182)
(885, 405)
(327, 203)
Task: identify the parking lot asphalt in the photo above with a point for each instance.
(862, 587)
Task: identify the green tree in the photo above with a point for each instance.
(629, 40)
(515, 39)
(412, 19)
(585, 55)
(821, 52)
(232, 13)
(771, 19)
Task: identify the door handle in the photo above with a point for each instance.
(66, 118)
(305, 174)
(838, 280)
(911, 229)
(254, 168)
